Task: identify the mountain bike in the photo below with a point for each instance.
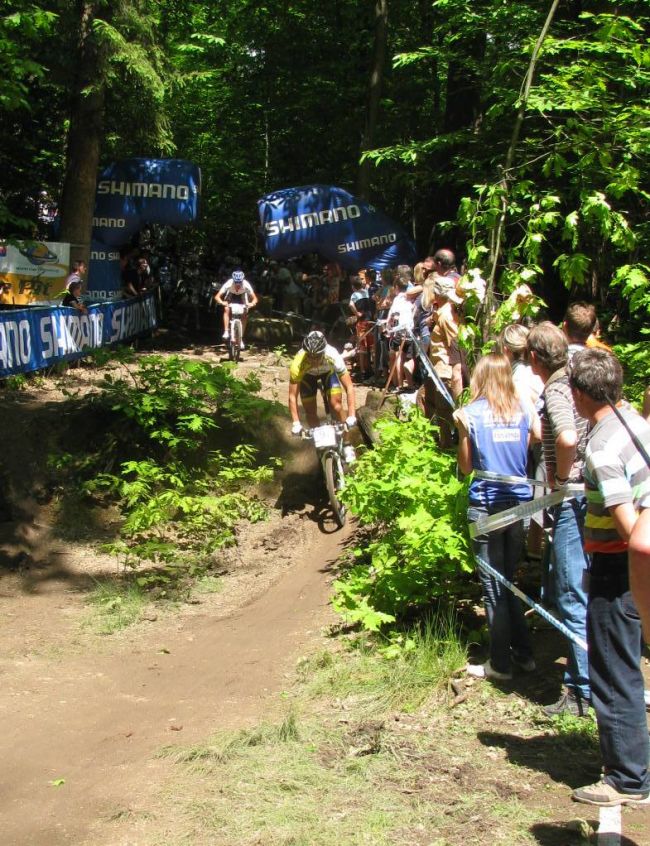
(328, 440)
(237, 312)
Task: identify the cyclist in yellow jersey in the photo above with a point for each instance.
(319, 363)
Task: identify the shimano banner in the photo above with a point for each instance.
(130, 194)
(35, 338)
(330, 221)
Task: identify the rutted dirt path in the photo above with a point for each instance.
(84, 716)
(97, 721)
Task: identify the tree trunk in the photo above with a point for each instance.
(496, 235)
(374, 95)
(84, 141)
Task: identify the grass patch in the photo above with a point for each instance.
(115, 605)
(371, 753)
(208, 584)
(393, 678)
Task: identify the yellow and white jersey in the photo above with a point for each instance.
(331, 362)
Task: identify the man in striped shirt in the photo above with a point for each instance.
(564, 435)
(617, 482)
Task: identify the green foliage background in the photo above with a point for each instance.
(267, 95)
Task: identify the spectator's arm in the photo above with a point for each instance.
(414, 292)
(624, 516)
(348, 385)
(464, 446)
(639, 550)
(456, 383)
(565, 453)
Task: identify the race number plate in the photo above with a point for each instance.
(237, 309)
(324, 436)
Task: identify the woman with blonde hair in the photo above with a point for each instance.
(512, 342)
(495, 430)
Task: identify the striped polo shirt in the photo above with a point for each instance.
(615, 473)
(558, 414)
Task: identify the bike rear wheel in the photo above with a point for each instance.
(235, 339)
(335, 481)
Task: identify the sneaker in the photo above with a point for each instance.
(349, 454)
(646, 697)
(568, 703)
(486, 671)
(603, 794)
(526, 665)
(226, 336)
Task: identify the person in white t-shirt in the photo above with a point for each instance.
(235, 290)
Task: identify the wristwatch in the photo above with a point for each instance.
(560, 480)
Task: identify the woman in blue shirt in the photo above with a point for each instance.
(495, 430)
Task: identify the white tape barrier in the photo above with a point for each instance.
(426, 363)
(505, 518)
(488, 568)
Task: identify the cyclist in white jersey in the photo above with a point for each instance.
(237, 289)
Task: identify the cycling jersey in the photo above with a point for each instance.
(330, 363)
(230, 294)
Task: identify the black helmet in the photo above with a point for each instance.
(314, 343)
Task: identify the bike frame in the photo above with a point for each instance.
(328, 441)
(236, 329)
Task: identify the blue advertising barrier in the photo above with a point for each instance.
(37, 337)
(130, 194)
(332, 222)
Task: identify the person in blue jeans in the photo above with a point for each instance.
(564, 438)
(495, 431)
(617, 482)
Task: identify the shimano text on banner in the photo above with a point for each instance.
(332, 222)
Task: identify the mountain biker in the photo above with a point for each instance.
(319, 363)
(237, 289)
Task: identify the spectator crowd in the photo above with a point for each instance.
(545, 417)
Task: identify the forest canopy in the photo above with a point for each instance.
(516, 132)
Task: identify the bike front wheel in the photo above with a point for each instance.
(235, 340)
(335, 481)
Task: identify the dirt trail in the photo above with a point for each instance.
(98, 721)
(83, 716)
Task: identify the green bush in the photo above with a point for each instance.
(179, 496)
(406, 490)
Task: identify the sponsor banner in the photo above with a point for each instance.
(131, 194)
(332, 222)
(105, 273)
(37, 337)
(36, 270)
